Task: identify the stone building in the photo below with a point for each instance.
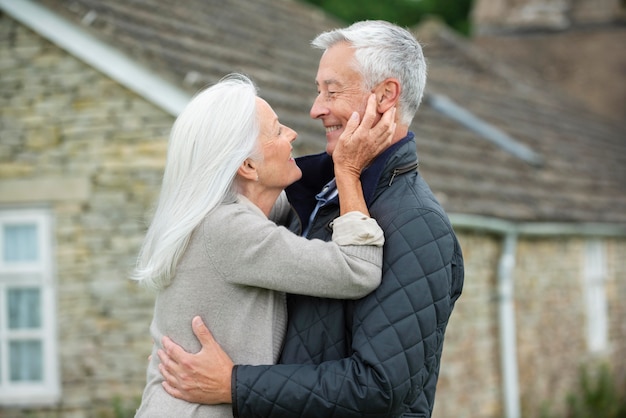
(532, 180)
(575, 44)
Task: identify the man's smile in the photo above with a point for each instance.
(333, 128)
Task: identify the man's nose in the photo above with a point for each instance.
(318, 109)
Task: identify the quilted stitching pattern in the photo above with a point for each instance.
(389, 364)
(316, 338)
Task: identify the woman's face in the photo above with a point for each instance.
(278, 168)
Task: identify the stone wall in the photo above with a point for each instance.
(550, 319)
(551, 326)
(76, 142)
(469, 380)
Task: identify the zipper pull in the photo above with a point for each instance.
(402, 170)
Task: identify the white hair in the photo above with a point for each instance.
(209, 140)
(383, 50)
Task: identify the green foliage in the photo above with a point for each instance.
(402, 12)
(597, 396)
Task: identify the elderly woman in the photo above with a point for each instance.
(211, 250)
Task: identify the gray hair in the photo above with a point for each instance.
(384, 50)
(210, 139)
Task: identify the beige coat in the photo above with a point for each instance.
(234, 274)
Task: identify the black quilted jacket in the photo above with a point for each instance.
(378, 356)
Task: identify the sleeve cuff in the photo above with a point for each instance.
(233, 391)
(355, 228)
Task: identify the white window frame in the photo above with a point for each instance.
(595, 278)
(39, 274)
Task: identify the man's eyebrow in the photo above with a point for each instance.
(328, 82)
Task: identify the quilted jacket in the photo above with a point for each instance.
(378, 356)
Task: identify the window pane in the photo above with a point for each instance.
(20, 243)
(24, 308)
(25, 361)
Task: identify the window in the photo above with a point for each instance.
(595, 294)
(28, 348)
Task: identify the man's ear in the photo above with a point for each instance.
(387, 94)
(247, 170)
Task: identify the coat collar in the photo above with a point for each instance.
(317, 170)
(397, 157)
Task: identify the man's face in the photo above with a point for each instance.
(340, 92)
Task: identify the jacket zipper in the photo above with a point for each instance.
(402, 170)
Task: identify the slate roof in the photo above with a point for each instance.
(584, 156)
(196, 42)
(581, 178)
(587, 60)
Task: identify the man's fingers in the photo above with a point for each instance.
(370, 113)
(352, 125)
(165, 364)
(162, 356)
(171, 390)
(386, 122)
(170, 382)
(201, 331)
(167, 376)
(171, 350)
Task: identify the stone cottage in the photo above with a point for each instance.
(531, 177)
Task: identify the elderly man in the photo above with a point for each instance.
(379, 355)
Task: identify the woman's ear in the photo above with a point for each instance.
(387, 94)
(248, 170)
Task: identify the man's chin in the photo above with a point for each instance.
(330, 145)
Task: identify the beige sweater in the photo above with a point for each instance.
(234, 274)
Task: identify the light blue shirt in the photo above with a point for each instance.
(329, 191)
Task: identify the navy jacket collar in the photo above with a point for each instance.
(317, 170)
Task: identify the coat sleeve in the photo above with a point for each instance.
(397, 337)
(250, 250)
